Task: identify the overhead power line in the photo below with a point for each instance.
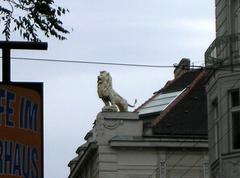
(119, 64)
(92, 62)
(98, 62)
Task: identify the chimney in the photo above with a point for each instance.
(182, 67)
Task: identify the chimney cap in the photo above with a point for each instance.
(183, 64)
(182, 67)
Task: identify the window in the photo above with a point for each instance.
(235, 98)
(235, 118)
(236, 130)
(160, 102)
(216, 127)
(235, 10)
(235, 28)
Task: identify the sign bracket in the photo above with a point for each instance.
(7, 46)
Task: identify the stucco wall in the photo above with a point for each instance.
(220, 83)
(142, 162)
(219, 86)
(221, 12)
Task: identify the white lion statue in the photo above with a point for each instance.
(108, 95)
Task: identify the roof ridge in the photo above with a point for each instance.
(169, 82)
(176, 78)
(179, 98)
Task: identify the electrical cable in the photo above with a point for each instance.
(118, 64)
(92, 62)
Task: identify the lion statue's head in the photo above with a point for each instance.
(104, 83)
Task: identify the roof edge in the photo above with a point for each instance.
(92, 146)
(179, 98)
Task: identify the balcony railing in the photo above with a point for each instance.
(224, 51)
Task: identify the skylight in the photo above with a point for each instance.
(159, 102)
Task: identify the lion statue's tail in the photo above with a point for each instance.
(132, 106)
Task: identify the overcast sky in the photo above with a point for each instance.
(158, 32)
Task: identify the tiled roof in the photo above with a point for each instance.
(180, 82)
(162, 98)
(188, 116)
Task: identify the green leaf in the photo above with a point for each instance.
(37, 16)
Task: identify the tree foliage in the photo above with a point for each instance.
(29, 17)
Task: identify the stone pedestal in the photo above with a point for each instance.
(108, 126)
(112, 108)
(112, 124)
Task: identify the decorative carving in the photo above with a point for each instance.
(231, 168)
(163, 169)
(99, 125)
(108, 95)
(205, 169)
(215, 173)
(112, 124)
(235, 169)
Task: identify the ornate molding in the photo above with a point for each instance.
(234, 169)
(112, 124)
(162, 169)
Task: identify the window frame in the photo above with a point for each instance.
(216, 120)
(233, 109)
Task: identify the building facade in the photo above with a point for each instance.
(166, 137)
(223, 92)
